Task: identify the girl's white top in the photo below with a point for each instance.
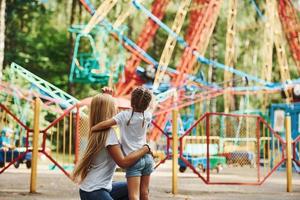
(133, 136)
(103, 167)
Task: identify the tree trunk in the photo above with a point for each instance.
(71, 88)
(2, 34)
(80, 15)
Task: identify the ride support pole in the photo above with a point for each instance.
(36, 131)
(288, 154)
(174, 151)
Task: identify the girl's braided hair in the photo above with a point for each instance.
(140, 100)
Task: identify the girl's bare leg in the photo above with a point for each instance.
(134, 187)
(145, 181)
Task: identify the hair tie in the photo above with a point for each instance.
(130, 118)
(143, 120)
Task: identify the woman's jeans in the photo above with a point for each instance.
(119, 192)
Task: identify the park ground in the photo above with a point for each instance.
(52, 184)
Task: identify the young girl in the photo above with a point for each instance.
(133, 126)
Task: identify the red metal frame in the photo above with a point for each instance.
(13, 161)
(207, 148)
(144, 40)
(44, 132)
(181, 148)
(294, 145)
(258, 148)
(161, 120)
(197, 30)
(56, 164)
(147, 33)
(14, 117)
(66, 113)
(168, 155)
(206, 116)
(194, 125)
(262, 120)
(260, 180)
(86, 6)
(193, 169)
(26, 141)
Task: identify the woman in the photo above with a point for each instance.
(94, 171)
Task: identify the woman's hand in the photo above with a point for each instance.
(92, 129)
(127, 161)
(149, 150)
(107, 90)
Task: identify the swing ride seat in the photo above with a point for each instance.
(215, 162)
(10, 154)
(87, 72)
(196, 155)
(240, 157)
(67, 167)
(90, 62)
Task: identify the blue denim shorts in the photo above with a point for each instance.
(143, 167)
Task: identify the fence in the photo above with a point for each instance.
(20, 141)
(63, 138)
(219, 148)
(231, 149)
(296, 152)
(57, 138)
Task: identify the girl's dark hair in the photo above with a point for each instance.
(140, 100)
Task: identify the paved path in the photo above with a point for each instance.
(14, 185)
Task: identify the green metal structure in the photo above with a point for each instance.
(93, 61)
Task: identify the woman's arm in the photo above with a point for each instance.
(126, 161)
(104, 125)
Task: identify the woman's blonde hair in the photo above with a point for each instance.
(102, 108)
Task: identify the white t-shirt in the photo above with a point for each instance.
(103, 167)
(133, 136)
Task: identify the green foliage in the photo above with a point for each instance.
(33, 42)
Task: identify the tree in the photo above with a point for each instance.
(35, 41)
(2, 34)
